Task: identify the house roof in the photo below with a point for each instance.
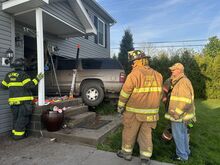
(100, 10)
(23, 9)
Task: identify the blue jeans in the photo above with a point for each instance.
(179, 131)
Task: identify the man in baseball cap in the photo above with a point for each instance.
(178, 66)
(180, 110)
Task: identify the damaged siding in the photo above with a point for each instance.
(5, 43)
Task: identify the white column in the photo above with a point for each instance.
(40, 54)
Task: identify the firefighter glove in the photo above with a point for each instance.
(120, 110)
(40, 76)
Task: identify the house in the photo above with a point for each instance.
(30, 28)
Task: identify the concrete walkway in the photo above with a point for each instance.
(43, 151)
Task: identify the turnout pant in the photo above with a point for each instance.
(21, 118)
(136, 126)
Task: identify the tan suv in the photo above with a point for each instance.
(96, 78)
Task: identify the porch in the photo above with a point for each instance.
(41, 17)
(80, 125)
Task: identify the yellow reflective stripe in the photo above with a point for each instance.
(167, 116)
(20, 98)
(124, 94)
(15, 84)
(129, 150)
(152, 118)
(146, 154)
(13, 131)
(142, 111)
(35, 81)
(179, 111)
(14, 103)
(4, 83)
(148, 89)
(121, 103)
(185, 117)
(26, 81)
(182, 99)
(188, 116)
(18, 133)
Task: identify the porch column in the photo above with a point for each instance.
(40, 54)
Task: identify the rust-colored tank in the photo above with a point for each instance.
(52, 120)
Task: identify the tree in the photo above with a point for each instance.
(125, 46)
(209, 64)
(212, 49)
(161, 63)
(114, 57)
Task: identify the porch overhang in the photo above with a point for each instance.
(16, 6)
(83, 16)
(51, 24)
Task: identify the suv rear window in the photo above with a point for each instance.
(100, 64)
(66, 64)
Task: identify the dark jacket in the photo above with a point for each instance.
(19, 85)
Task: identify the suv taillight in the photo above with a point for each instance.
(122, 77)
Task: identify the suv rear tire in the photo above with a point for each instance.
(92, 93)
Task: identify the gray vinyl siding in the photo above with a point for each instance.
(63, 11)
(5, 43)
(67, 47)
(97, 50)
(88, 47)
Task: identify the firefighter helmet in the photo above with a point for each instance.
(136, 55)
(18, 63)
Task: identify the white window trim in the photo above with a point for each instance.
(103, 32)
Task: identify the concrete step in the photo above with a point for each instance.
(75, 110)
(89, 137)
(73, 121)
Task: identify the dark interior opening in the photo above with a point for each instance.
(30, 53)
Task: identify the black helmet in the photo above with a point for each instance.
(136, 55)
(18, 63)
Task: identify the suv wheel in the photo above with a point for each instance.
(92, 93)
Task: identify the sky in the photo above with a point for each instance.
(163, 20)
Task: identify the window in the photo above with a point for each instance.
(100, 64)
(100, 38)
(101, 32)
(65, 63)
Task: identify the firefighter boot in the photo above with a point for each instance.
(126, 156)
(18, 137)
(145, 161)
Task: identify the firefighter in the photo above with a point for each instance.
(181, 110)
(139, 103)
(20, 97)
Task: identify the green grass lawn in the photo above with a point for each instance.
(204, 137)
